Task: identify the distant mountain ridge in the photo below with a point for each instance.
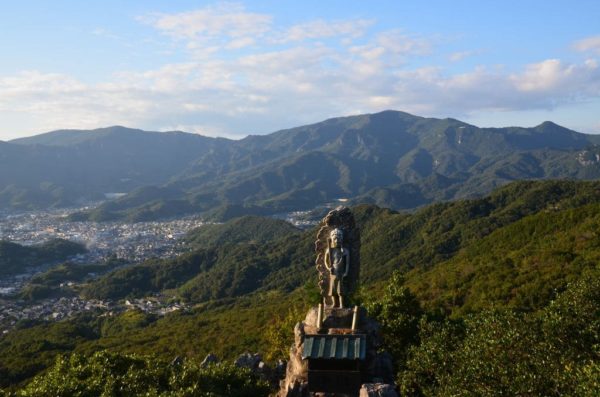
(392, 159)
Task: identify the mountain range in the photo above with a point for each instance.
(391, 159)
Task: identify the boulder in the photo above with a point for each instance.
(248, 360)
(378, 390)
(209, 359)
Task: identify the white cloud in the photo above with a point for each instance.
(226, 25)
(591, 44)
(399, 43)
(553, 76)
(263, 92)
(460, 55)
(320, 29)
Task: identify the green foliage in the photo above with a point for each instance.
(398, 312)
(522, 265)
(67, 271)
(391, 159)
(428, 364)
(14, 258)
(244, 229)
(151, 276)
(63, 167)
(232, 269)
(551, 352)
(46, 284)
(420, 241)
(226, 329)
(278, 337)
(32, 292)
(112, 375)
(127, 322)
(26, 351)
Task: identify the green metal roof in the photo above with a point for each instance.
(340, 347)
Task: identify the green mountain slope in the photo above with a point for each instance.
(236, 266)
(244, 229)
(66, 167)
(390, 158)
(522, 265)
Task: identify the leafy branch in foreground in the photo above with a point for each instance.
(113, 375)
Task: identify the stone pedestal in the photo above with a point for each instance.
(375, 368)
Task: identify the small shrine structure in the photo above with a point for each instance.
(335, 350)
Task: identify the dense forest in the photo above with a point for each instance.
(491, 296)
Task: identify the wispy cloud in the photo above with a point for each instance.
(226, 25)
(589, 44)
(101, 32)
(321, 29)
(460, 55)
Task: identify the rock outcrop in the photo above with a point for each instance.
(377, 367)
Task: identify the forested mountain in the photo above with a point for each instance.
(63, 168)
(391, 159)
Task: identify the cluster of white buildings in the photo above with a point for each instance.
(132, 241)
(13, 311)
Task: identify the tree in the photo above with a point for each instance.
(114, 375)
(398, 312)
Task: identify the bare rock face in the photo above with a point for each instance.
(377, 390)
(295, 383)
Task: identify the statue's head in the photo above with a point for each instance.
(336, 237)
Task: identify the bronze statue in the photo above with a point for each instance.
(338, 257)
(337, 262)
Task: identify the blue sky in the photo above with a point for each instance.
(238, 68)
